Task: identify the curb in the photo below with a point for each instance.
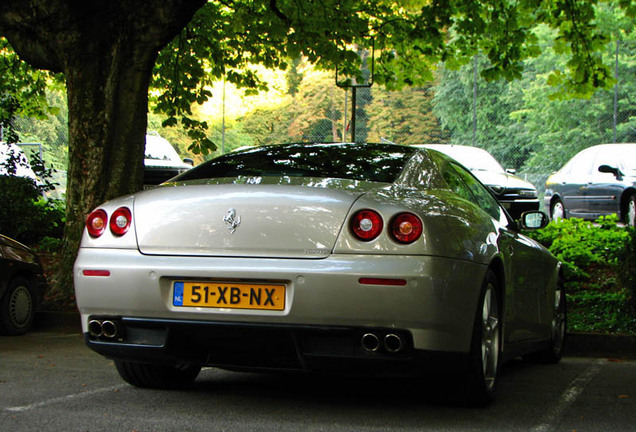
(600, 345)
(576, 344)
(57, 321)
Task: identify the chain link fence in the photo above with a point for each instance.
(523, 123)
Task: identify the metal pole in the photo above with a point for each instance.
(474, 100)
(344, 119)
(353, 114)
(223, 121)
(616, 93)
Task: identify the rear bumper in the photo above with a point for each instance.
(255, 347)
(434, 310)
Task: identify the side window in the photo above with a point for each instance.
(466, 186)
(581, 165)
(456, 183)
(605, 158)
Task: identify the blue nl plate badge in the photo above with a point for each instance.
(177, 299)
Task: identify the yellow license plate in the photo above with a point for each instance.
(229, 295)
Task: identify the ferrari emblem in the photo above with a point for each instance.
(232, 220)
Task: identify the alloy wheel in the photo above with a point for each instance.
(558, 211)
(490, 337)
(558, 321)
(631, 211)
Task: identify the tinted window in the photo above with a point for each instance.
(581, 164)
(370, 162)
(469, 188)
(621, 156)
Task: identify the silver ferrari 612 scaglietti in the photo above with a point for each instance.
(349, 258)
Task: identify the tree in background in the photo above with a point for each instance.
(525, 124)
(316, 108)
(495, 101)
(107, 49)
(405, 117)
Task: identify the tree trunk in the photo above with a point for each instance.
(106, 49)
(108, 104)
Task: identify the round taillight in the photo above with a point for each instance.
(120, 221)
(96, 223)
(406, 227)
(367, 225)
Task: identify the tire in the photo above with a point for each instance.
(17, 307)
(557, 210)
(630, 211)
(485, 353)
(154, 376)
(558, 327)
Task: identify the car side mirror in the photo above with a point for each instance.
(511, 171)
(611, 170)
(188, 161)
(533, 220)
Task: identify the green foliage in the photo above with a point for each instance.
(410, 39)
(22, 90)
(600, 312)
(580, 244)
(599, 270)
(28, 217)
(49, 245)
(51, 130)
(628, 268)
(406, 117)
(530, 124)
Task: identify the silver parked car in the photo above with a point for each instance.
(355, 258)
(597, 181)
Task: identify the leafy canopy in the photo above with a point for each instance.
(410, 37)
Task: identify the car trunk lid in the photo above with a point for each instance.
(242, 220)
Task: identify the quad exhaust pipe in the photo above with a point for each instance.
(390, 342)
(370, 342)
(109, 329)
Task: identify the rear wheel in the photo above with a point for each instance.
(557, 210)
(156, 376)
(17, 307)
(483, 368)
(630, 213)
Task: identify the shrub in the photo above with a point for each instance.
(628, 269)
(582, 245)
(599, 260)
(25, 215)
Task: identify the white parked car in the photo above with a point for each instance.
(161, 160)
(21, 163)
(514, 193)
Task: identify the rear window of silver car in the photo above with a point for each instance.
(367, 162)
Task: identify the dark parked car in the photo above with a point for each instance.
(22, 286)
(597, 181)
(161, 161)
(515, 194)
